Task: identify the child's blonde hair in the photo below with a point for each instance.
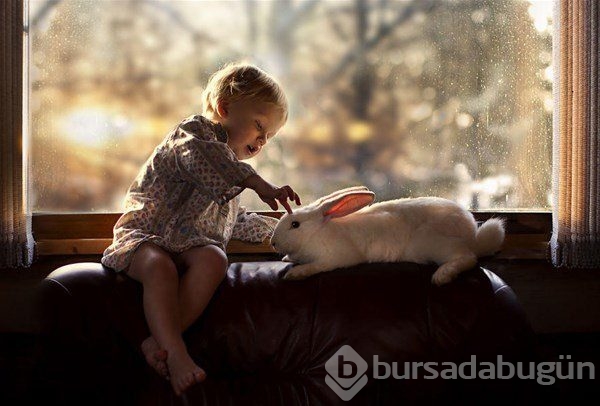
(239, 81)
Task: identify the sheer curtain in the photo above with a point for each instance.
(576, 186)
(16, 240)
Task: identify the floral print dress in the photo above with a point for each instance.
(186, 195)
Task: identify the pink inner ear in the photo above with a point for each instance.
(349, 204)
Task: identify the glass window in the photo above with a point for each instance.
(448, 97)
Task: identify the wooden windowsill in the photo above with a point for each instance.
(515, 247)
(85, 246)
(527, 237)
(91, 233)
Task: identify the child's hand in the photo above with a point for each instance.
(271, 194)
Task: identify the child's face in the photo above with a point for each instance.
(249, 125)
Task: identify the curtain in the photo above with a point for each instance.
(16, 240)
(576, 152)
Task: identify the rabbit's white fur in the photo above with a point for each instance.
(421, 230)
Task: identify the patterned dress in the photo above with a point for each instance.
(186, 195)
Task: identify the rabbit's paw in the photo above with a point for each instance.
(300, 272)
(444, 274)
(447, 272)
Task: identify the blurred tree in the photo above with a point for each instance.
(453, 82)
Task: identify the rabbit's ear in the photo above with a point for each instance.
(338, 193)
(347, 203)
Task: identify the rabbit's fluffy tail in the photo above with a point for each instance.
(490, 237)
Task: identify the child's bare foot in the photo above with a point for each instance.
(183, 371)
(155, 356)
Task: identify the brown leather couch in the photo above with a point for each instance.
(266, 341)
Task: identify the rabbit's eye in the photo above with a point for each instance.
(295, 224)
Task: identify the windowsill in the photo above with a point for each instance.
(527, 237)
(90, 246)
(91, 233)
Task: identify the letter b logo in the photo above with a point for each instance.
(346, 372)
(346, 368)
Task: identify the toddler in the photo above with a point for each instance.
(183, 208)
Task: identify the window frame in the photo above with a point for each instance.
(528, 232)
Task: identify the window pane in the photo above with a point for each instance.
(450, 97)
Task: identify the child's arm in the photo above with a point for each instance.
(253, 227)
(201, 159)
(271, 194)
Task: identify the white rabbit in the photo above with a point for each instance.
(339, 231)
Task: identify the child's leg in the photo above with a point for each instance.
(154, 268)
(205, 268)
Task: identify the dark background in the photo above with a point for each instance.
(563, 307)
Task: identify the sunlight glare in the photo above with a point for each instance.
(93, 127)
(541, 14)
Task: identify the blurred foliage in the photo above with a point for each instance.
(423, 97)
